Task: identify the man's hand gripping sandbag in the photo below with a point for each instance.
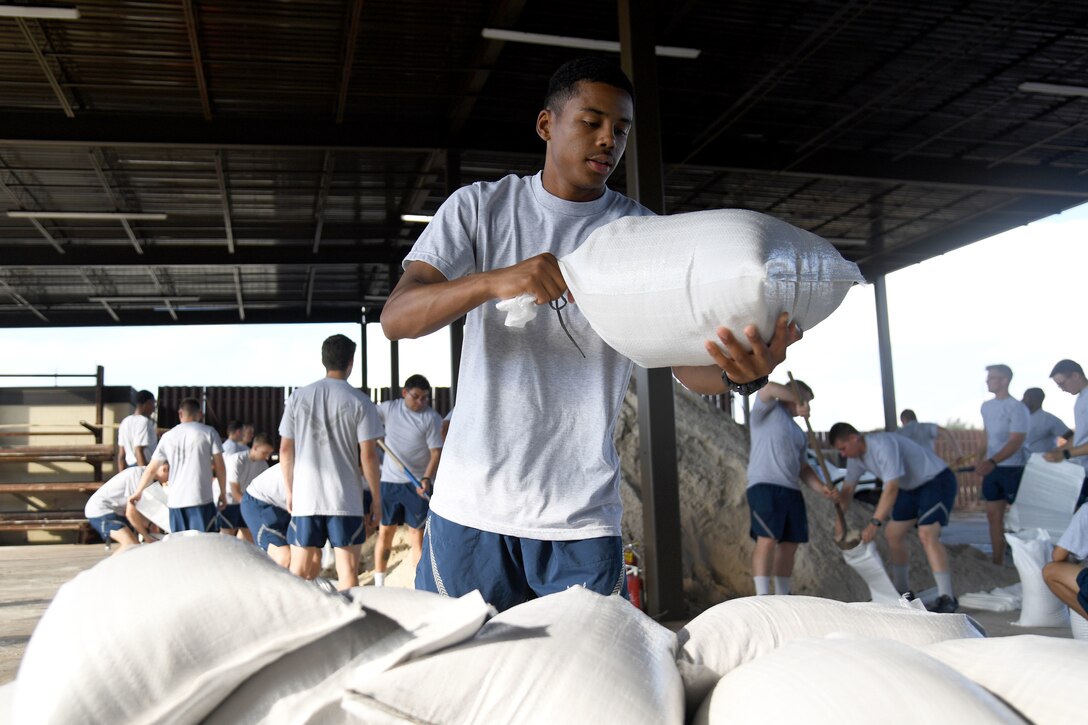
(658, 288)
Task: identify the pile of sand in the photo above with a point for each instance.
(712, 453)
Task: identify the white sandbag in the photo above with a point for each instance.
(7, 702)
(730, 634)
(656, 288)
(1031, 551)
(1078, 625)
(1002, 599)
(152, 505)
(1046, 498)
(847, 680)
(866, 561)
(571, 657)
(1042, 677)
(306, 686)
(162, 633)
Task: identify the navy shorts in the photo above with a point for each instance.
(1083, 494)
(195, 518)
(402, 505)
(1082, 595)
(231, 517)
(267, 522)
(777, 513)
(510, 570)
(1002, 483)
(314, 531)
(930, 503)
(108, 523)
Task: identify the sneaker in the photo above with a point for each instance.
(945, 604)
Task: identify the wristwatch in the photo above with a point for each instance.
(1066, 454)
(876, 522)
(744, 388)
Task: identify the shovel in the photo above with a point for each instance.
(843, 542)
(411, 476)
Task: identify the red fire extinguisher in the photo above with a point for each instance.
(634, 576)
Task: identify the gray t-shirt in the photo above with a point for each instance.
(328, 420)
(1043, 430)
(1002, 418)
(891, 457)
(924, 434)
(112, 496)
(268, 487)
(232, 446)
(135, 431)
(778, 446)
(410, 436)
(532, 453)
(241, 469)
(188, 448)
(1080, 431)
(1075, 538)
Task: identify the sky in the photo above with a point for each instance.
(1011, 299)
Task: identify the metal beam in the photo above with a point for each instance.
(224, 197)
(884, 344)
(198, 64)
(106, 304)
(37, 225)
(310, 278)
(327, 166)
(98, 164)
(656, 415)
(12, 316)
(44, 65)
(238, 293)
(22, 302)
(196, 256)
(349, 59)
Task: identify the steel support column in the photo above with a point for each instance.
(394, 368)
(656, 414)
(362, 354)
(884, 342)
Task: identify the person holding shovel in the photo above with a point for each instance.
(776, 466)
(919, 489)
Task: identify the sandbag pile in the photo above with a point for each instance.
(207, 629)
(656, 288)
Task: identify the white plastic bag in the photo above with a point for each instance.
(1047, 496)
(152, 505)
(656, 288)
(1078, 625)
(1031, 551)
(866, 561)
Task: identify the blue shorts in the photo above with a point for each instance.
(108, 523)
(231, 517)
(402, 505)
(195, 518)
(1082, 595)
(777, 513)
(1083, 494)
(314, 531)
(510, 570)
(267, 522)
(930, 503)
(1002, 483)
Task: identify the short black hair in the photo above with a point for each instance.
(191, 406)
(805, 389)
(1066, 367)
(143, 396)
(337, 352)
(233, 426)
(417, 382)
(592, 70)
(262, 439)
(840, 431)
(908, 414)
(1037, 392)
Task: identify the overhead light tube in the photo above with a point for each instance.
(566, 41)
(1053, 89)
(40, 12)
(88, 215)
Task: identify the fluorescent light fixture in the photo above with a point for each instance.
(1053, 89)
(417, 218)
(40, 12)
(848, 241)
(87, 215)
(566, 41)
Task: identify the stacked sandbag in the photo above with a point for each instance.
(306, 686)
(570, 657)
(656, 288)
(163, 632)
(1031, 550)
(842, 680)
(736, 632)
(865, 560)
(1041, 677)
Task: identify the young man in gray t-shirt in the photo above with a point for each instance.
(1001, 461)
(1069, 376)
(531, 466)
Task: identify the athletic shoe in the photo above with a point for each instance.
(945, 604)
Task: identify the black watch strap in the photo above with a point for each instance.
(744, 388)
(1066, 454)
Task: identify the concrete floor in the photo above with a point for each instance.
(31, 575)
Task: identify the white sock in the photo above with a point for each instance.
(944, 583)
(901, 577)
(379, 578)
(763, 585)
(782, 585)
